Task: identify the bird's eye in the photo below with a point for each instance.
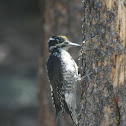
(66, 42)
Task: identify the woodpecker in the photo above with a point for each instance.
(63, 76)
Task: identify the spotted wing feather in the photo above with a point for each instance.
(55, 77)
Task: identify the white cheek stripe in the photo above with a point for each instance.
(51, 39)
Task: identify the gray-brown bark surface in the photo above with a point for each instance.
(103, 98)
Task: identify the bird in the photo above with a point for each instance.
(63, 75)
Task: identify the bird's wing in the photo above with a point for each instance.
(54, 70)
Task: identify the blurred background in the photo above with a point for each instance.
(25, 26)
(20, 30)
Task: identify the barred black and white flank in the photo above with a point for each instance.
(63, 75)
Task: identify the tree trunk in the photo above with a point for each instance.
(59, 17)
(103, 63)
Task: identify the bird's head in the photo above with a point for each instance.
(60, 42)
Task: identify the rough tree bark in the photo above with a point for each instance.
(103, 63)
(59, 17)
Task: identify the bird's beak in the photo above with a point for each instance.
(73, 44)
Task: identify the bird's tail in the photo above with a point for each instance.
(71, 107)
(74, 117)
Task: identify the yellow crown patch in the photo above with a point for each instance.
(62, 36)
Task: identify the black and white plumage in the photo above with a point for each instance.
(63, 75)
